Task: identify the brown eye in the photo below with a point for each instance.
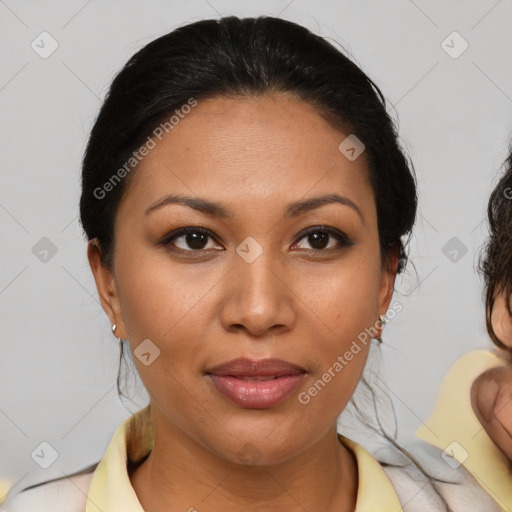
(318, 238)
(191, 239)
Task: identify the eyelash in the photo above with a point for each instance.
(342, 239)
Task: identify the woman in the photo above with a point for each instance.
(474, 407)
(245, 199)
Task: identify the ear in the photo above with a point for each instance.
(501, 320)
(106, 286)
(387, 282)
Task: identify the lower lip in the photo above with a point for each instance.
(256, 394)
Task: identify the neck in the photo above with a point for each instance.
(179, 474)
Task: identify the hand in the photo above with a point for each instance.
(491, 399)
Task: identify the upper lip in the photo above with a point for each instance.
(270, 367)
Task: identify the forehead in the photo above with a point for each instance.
(251, 149)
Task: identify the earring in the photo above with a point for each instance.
(114, 327)
(383, 321)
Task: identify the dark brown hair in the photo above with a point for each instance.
(233, 57)
(495, 263)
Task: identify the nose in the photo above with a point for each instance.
(258, 297)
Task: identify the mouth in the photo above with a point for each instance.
(250, 378)
(256, 384)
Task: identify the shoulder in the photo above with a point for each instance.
(473, 363)
(67, 494)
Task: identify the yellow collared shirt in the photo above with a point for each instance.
(110, 489)
(106, 487)
(454, 426)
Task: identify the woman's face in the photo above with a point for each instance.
(502, 325)
(257, 277)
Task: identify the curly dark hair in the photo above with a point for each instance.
(495, 263)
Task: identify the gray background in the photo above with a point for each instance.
(59, 360)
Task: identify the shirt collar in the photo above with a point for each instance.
(111, 489)
(452, 424)
(375, 492)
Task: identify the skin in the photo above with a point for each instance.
(491, 392)
(207, 306)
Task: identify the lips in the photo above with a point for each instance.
(243, 367)
(256, 384)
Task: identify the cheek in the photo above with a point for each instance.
(159, 299)
(331, 386)
(502, 324)
(165, 307)
(168, 308)
(346, 301)
(346, 310)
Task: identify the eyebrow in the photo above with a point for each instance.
(215, 209)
